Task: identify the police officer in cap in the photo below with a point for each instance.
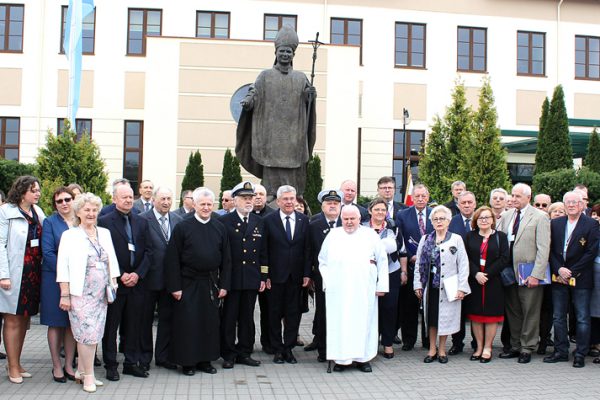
(320, 225)
(245, 230)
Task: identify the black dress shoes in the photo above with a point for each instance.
(59, 379)
(289, 357)
(429, 359)
(311, 347)
(188, 371)
(594, 353)
(596, 360)
(166, 364)
(578, 362)
(509, 354)
(364, 367)
(397, 340)
(555, 357)
(474, 357)
(541, 350)
(278, 358)
(524, 358)
(407, 347)
(249, 361)
(112, 374)
(145, 366)
(206, 367)
(227, 364)
(388, 355)
(321, 358)
(339, 367)
(454, 350)
(443, 359)
(2, 356)
(134, 370)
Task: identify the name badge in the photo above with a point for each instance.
(434, 270)
(511, 237)
(481, 262)
(35, 242)
(131, 246)
(100, 265)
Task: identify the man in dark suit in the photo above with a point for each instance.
(413, 223)
(289, 262)
(160, 223)
(386, 189)
(262, 209)
(129, 232)
(320, 225)
(573, 248)
(461, 224)
(111, 207)
(247, 243)
(349, 189)
(144, 203)
(457, 188)
(188, 204)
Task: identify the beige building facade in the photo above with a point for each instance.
(158, 76)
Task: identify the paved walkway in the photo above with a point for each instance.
(403, 377)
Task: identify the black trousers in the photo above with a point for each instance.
(388, 310)
(128, 307)
(263, 304)
(284, 303)
(409, 312)
(164, 301)
(238, 317)
(320, 321)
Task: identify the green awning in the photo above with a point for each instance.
(579, 142)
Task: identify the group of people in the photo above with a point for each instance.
(100, 274)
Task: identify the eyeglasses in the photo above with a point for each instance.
(386, 187)
(485, 218)
(439, 219)
(224, 200)
(379, 210)
(572, 202)
(538, 205)
(188, 197)
(66, 200)
(585, 199)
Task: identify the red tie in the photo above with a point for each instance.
(421, 223)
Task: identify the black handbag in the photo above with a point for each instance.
(507, 274)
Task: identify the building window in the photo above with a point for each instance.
(11, 28)
(132, 153)
(142, 23)
(212, 24)
(9, 138)
(520, 172)
(88, 34)
(347, 31)
(531, 53)
(273, 24)
(410, 45)
(81, 126)
(407, 147)
(472, 49)
(587, 57)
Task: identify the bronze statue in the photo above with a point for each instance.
(276, 132)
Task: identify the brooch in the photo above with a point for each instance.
(453, 250)
(582, 241)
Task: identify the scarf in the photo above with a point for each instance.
(425, 260)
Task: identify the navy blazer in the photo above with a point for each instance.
(457, 225)
(581, 250)
(287, 258)
(319, 228)
(248, 250)
(113, 221)
(453, 207)
(155, 278)
(53, 228)
(409, 227)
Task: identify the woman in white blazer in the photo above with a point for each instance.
(20, 267)
(86, 264)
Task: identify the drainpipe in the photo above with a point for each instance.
(558, 42)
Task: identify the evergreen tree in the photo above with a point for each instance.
(231, 174)
(432, 165)
(556, 148)
(66, 160)
(592, 159)
(314, 183)
(541, 153)
(483, 167)
(458, 122)
(194, 174)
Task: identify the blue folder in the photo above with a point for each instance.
(524, 270)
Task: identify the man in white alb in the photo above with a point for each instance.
(354, 267)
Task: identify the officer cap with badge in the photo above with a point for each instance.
(243, 189)
(329, 194)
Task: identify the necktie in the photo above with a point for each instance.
(421, 223)
(331, 224)
(146, 206)
(164, 228)
(288, 228)
(468, 224)
(129, 239)
(245, 224)
(516, 224)
(390, 211)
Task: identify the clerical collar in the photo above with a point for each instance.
(201, 220)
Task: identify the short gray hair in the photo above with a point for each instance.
(441, 209)
(576, 192)
(81, 201)
(162, 189)
(466, 193)
(119, 182)
(503, 191)
(458, 183)
(285, 189)
(526, 189)
(203, 192)
(421, 186)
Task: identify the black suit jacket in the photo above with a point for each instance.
(453, 207)
(457, 225)
(288, 258)
(264, 212)
(248, 250)
(155, 278)
(113, 221)
(581, 250)
(319, 229)
(409, 227)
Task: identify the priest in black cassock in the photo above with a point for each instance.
(198, 275)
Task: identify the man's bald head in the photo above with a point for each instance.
(350, 218)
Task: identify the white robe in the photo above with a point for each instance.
(354, 267)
